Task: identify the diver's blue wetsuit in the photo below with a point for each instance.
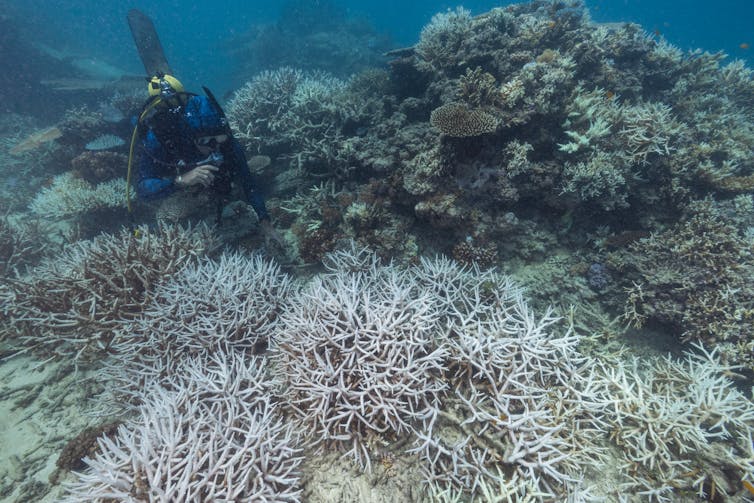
(160, 164)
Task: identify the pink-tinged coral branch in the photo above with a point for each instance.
(357, 354)
(212, 434)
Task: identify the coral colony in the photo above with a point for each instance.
(527, 138)
(446, 359)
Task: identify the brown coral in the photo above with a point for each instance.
(478, 88)
(458, 120)
(101, 166)
(441, 211)
(69, 306)
(483, 255)
(314, 245)
(84, 445)
(694, 278)
(21, 244)
(737, 184)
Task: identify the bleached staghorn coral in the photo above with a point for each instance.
(301, 111)
(612, 143)
(649, 129)
(591, 115)
(21, 243)
(602, 176)
(441, 39)
(518, 410)
(69, 195)
(358, 359)
(308, 207)
(266, 95)
(223, 305)
(211, 433)
(672, 420)
(597, 119)
(70, 305)
(521, 409)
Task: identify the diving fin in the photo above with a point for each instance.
(148, 43)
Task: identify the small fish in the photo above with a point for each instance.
(609, 94)
(743, 45)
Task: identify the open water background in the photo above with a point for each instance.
(196, 34)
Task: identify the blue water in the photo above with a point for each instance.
(195, 34)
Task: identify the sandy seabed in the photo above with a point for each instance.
(42, 406)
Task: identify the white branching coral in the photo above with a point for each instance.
(316, 90)
(602, 176)
(364, 348)
(358, 358)
(591, 115)
(666, 416)
(210, 434)
(441, 39)
(71, 304)
(612, 143)
(284, 104)
(518, 409)
(265, 96)
(69, 195)
(444, 360)
(231, 303)
(649, 129)
(596, 120)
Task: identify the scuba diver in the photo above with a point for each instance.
(189, 153)
(189, 156)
